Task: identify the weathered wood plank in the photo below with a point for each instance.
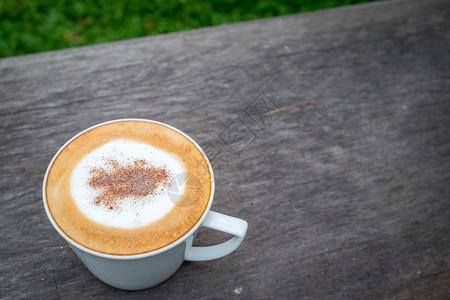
(342, 168)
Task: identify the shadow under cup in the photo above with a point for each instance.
(144, 270)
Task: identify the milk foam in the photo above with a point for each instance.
(132, 212)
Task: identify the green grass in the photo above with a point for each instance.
(41, 25)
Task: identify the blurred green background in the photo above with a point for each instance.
(30, 26)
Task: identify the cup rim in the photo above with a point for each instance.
(128, 256)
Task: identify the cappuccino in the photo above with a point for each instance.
(128, 187)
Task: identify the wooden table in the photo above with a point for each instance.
(329, 132)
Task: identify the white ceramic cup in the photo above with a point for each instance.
(141, 271)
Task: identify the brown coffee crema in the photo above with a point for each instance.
(118, 241)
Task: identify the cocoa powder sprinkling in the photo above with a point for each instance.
(136, 180)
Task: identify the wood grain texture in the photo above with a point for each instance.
(329, 133)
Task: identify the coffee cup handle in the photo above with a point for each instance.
(220, 222)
